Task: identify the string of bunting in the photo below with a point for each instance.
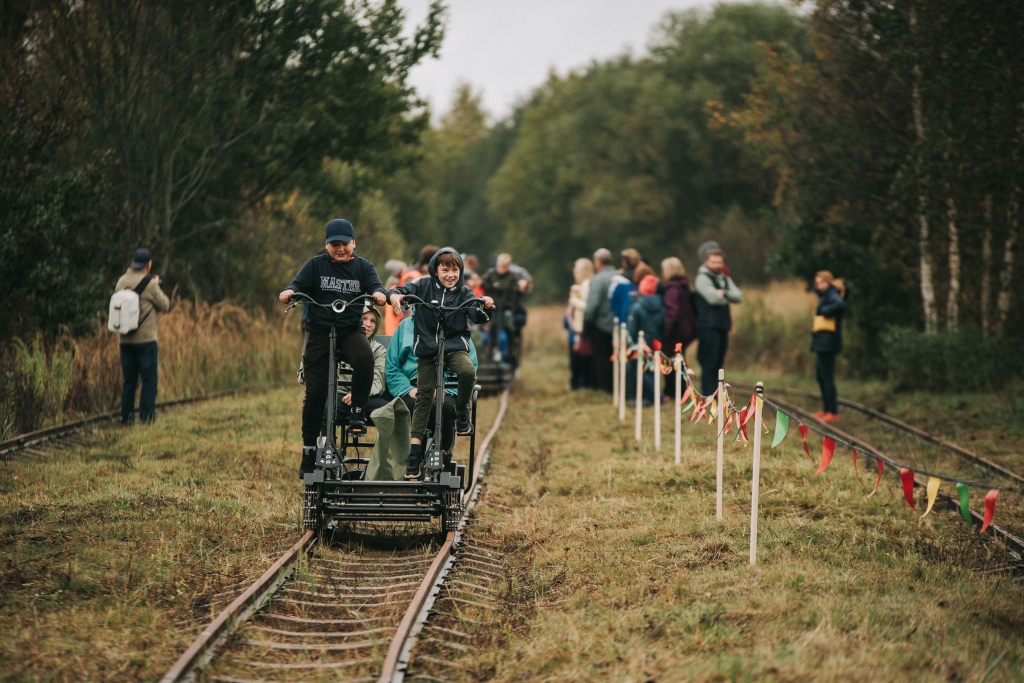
(706, 407)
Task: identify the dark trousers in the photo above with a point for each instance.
(601, 343)
(372, 404)
(825, 371)
(457, 362)
(447, 418)
(580, 370)
(139, 360)
(711, 348)
(648, 382)
(353, 347)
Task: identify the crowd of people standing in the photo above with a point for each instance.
(672, 312)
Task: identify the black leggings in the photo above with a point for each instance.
(825, 370)
(353, 347)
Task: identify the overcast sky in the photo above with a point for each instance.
(505, 48)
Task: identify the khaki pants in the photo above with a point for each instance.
(457, 362)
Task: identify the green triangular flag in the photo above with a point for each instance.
(965, 505)
(781, 427)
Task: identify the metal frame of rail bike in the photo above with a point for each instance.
(335, 489)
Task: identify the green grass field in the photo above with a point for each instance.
(114, 554)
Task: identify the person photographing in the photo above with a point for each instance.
(336, 274)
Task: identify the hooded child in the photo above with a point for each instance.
(447, 288)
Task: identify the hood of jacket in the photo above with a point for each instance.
(432, 269)
(650, 304)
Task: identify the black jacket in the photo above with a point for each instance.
(456, 325)
(326, 281)
(830, 305)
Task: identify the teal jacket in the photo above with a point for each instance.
(401, 367)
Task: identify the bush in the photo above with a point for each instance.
(955, 360)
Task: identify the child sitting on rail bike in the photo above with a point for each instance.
(444, 287)
(336, 274)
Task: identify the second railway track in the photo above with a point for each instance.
(334, 612)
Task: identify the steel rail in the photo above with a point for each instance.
(203, 649)
(868, 449)
(30, 438)
(231, 617)
(396, 661)
(901, 425)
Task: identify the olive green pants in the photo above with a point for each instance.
(457, 362)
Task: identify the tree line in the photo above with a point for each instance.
(879, 140)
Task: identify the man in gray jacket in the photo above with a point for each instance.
(138, 347)
(714, 291)
(598, 319)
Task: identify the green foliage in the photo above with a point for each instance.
(169, 124)
(957, 360)
(441, 198)
(621, 155)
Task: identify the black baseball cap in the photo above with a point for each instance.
(140, 258)
(340, 230)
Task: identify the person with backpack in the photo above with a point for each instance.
(133, 315)
(827, 339)
(715, 291)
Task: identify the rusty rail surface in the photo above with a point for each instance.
(346, 598)
(807, 418)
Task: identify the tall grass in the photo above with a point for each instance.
(771, 333)
(203, 348)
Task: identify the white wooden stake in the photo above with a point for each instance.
(756, 480)
(639, 382)
(721, 444)
(624, 346)
(679, 399)
(617, 350)
(657, 400)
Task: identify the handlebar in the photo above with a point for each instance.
(338, 305)
(413, 300)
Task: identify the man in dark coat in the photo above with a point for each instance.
(714, 292)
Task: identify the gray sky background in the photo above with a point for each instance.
(505, 48)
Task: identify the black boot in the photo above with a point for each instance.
(414, 465)
(463, 424)
(357, 422)
(308, 460)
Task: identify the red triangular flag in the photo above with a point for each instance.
(856, 473)
(990, 508)
(686, 395)
(828, 448)
(907, 477)
(803, 437)
(656, 345)
(879, 480)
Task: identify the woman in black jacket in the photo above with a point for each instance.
(827, 339)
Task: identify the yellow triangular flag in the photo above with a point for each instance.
(933, 490)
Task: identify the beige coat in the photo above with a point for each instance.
(578, 300)
(151, 300)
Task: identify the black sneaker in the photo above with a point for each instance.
(357, 422)
(463, 424)
(308, 460)
(413, 467)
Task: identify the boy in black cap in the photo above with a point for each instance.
(336, 274)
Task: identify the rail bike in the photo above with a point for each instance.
(337, 491)
(498, 366)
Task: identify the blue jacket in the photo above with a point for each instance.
(401, 367)
(621, 295)
(648, 314)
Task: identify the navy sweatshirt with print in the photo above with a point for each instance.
(326, 281)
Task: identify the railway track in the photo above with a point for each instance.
(353, 611)
(1013, 542)
(69, 434)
